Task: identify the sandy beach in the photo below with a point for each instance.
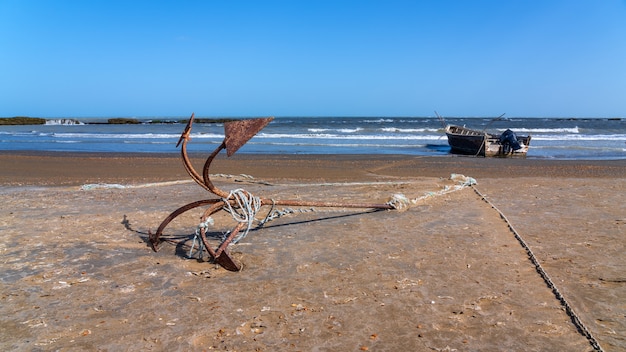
(450, 273)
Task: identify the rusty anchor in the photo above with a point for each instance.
(240, 203)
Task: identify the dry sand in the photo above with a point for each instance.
(447, 274)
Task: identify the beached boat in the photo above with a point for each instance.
(463, 140)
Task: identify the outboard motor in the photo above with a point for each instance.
(508, 139)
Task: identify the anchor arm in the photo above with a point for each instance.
(155, 238)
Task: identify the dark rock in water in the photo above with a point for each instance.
(123, 121)
(205, 120)
(22, 120)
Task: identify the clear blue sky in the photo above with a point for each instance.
(97, 58)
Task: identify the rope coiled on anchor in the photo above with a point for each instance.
(244, 209)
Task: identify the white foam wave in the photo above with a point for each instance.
(544, 130)
(408, 130)
(31, 133)
(148, 142)
(340, 130)
(377, 121)
(578, 137)
(347, 145)
(350, 130)
(133, 135)
(348, 137)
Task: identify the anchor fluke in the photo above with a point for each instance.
(237, 133)
(227, 262)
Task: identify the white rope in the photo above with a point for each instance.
(244, 210)
(95, 186)
(400, 202)
(196, 238)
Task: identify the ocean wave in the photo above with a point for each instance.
(381, 120)
(543, 130)
(147, 142)
(578, 147)
(20, 133)
(389, 133)
(132, 135)
(340, 130)
(347, 145)
(348, 137)
(581, 137)
(408, 130)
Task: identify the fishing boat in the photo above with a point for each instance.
(463, 140)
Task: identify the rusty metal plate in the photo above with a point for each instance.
(239, 132)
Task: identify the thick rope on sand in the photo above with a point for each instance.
(400, 202)
(546, 278)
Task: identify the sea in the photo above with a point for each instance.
(552, 138)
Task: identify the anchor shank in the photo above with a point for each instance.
(206, 176)
(324, 204)
(184, 139)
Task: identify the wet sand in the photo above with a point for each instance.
(446, 274)
(37, 168)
